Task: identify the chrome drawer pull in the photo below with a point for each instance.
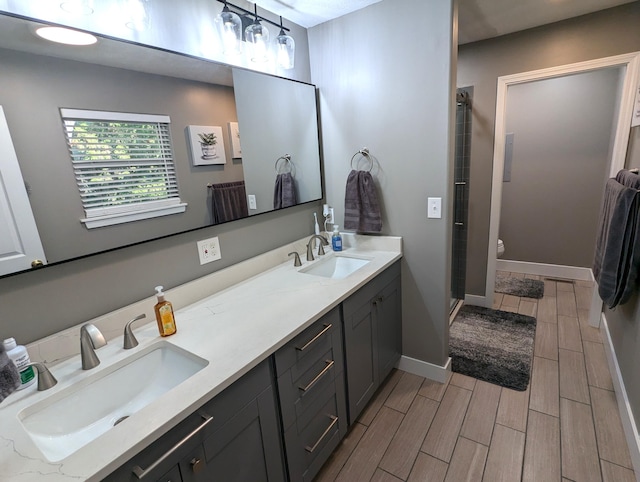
(326, 328)
(334, 420)
(140, 473)
(318, 376)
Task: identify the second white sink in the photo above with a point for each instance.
(68, 420)
(336, 266)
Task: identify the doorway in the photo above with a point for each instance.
(628, 65)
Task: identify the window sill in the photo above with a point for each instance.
(120, 218)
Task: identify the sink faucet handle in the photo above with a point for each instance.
(45, 379)
(91, 338)
(130, 340)
(296, 260)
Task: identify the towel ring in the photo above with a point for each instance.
(287, 159)
(364, 152)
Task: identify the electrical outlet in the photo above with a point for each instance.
(209, 250)
(329, 216)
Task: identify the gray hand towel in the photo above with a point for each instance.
(615, 265)
(9, 376)
(361, 206)
(284, 193)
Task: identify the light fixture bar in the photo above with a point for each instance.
(247, 12)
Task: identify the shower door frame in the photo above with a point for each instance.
(631, 62)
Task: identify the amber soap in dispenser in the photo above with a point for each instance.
(164, 314)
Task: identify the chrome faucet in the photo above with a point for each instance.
(90, 339)
(323, 242)
(130, 340)
(45, 379)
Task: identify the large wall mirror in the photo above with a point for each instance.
(265, 148)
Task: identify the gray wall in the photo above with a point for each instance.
(398, 102)
(624, 321)
(37, 304)
(601, 34)
(35, 84)
(562, 131)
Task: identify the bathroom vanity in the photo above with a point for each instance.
(283, 361)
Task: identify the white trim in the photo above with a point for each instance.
(630, 61)
(624, 406)
(475, 300)
(425, 369)
(114, 116)
(543, 269)
(111, 219)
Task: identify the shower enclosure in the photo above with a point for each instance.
(461, 194)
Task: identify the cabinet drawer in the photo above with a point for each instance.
(296, 396)
(306, 348)
(314, 436)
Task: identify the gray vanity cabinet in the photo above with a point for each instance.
(310, 372)
(372, 336)
(234, 437)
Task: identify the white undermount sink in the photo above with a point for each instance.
(66, 421)
(336, 266)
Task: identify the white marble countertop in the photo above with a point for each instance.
(234, 330)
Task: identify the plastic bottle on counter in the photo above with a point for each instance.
(20, 357)
(336, 239)
(164, 314)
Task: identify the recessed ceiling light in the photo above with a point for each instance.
(66, 36)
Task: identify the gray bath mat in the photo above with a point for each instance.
(492, 345)
(526, 288)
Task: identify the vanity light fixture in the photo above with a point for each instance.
(77, 7)
(66, 36)
(257, 36)
(138, 13)
(229, 28)
(285, 49)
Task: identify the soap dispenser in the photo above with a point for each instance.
(336, 239)
(164, 314)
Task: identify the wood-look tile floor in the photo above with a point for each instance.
(564, 427)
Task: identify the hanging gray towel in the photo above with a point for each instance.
(615, 265)
(228, 201)
(284, 193)
(9, 376)
(361, 206)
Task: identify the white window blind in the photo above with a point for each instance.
(123, 165)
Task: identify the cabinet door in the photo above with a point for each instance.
(247, 447)
(388, 309)
(361, 356)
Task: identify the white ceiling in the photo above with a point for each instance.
(477, 19)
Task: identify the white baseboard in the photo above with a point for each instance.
(624, 407)
(425, 369)
(475, 300)
(542, 269)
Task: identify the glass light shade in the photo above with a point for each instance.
(229, 27)
(257, 37)
(285, 50)
(138, 12)
(77, 7)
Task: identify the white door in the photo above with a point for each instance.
(20, 244)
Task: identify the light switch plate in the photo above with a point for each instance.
(252, 201)
(209, 250)
(434, 207)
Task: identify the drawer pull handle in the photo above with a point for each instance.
(140, 473)
(318, 376)
(310, 342)
(334, 420)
